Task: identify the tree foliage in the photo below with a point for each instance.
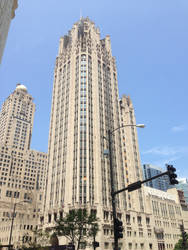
(180, 245)
(77, 226)
(40, 238)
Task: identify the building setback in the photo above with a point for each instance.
(131, 155)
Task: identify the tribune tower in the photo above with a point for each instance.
(85, 105)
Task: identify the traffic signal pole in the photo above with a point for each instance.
(112, 191)
(138, 184)
(131, 187)
(11, 227)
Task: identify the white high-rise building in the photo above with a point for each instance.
(22, 170)
(16, 119)
(85, 105)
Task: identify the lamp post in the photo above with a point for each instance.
(12, 221)
(113, 193)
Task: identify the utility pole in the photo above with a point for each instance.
(12, 222)
(112, 191)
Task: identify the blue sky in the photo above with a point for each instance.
(150, 42)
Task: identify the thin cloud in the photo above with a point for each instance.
(179, 128)
(162, 162)
(166, 151)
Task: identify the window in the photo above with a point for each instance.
(106, 245)
(49, 218)
(128, 218)
(130, 245)
(142, 245)
(139, 219)
(147, 220)
(8, 193)
(16, 194)
(55, 216)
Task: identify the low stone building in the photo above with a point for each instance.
(167, 216)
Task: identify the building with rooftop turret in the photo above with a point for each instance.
(22, 170)
(16, 119)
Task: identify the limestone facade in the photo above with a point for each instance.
(22, 170)
(7, 13)
(85, 105)
(131, 154)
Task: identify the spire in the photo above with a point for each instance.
(81, 14)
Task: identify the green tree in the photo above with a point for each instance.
(40, 238)
(77, 226)
(182, 245)
(93, 228)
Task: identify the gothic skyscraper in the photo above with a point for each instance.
(85, 105)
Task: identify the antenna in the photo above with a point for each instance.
(80, 14)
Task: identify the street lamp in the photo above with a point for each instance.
(140, 125)
(109, 139)
(12, 221)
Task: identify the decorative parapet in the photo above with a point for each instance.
(159, 194)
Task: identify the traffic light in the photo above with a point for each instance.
(172, 176)
(118, 228)
(184, 236)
